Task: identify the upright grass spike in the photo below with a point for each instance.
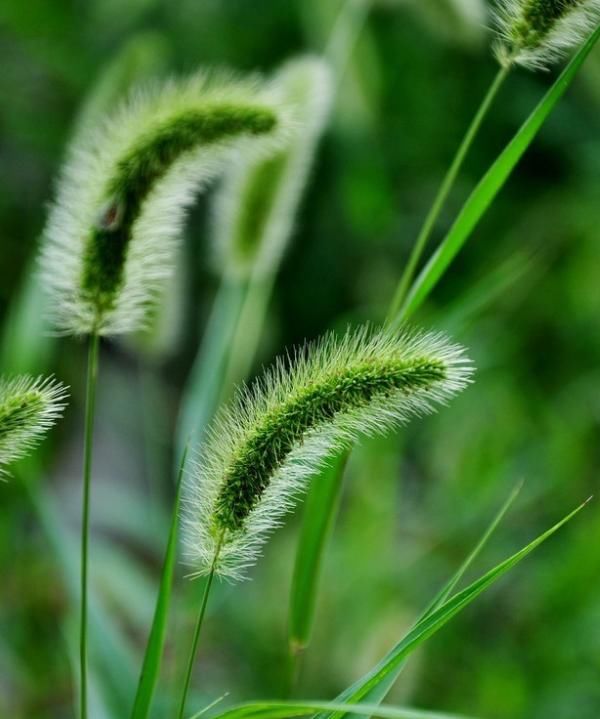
(536, 33)
(254, 210)
(264, 446)
(111, 236)
(29, 407)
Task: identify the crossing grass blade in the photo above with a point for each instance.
(379, 692)
(283, 710)
(493, 181)
(367, 686)
(154, 649)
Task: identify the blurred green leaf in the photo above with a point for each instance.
(319, 511)
(204, 386)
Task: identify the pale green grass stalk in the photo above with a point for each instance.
(197, 630)
(90, 403)
(205, 384)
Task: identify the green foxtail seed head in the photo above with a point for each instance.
(113, 231)
(28, 408)
(264, 446)
(535, 33)
(255, 207)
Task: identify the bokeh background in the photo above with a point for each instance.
(523, 296)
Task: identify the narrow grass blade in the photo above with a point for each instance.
(283, 710)
(492, 182)
(445, 592)
(433, 621)
(154, 649)
(320, 509)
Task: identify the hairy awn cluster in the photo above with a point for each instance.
(264, 446)
(112, 234)
(535, 33)
(29, 407)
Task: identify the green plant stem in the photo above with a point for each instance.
(344, 35)
(443, 192)
(245, 340)
(204, 386)
(196, 639)
(90, 403)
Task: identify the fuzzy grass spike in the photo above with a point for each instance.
(536, 33)
(263, 447)
(29, 407)
(113, 231)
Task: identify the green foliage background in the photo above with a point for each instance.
(523, 297)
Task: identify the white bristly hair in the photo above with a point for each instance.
(566, 32)
(305, 86)
(82, 196)
(285, 384)
(29, 407)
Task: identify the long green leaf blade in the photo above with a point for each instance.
(283, 710)
(492, 182)
(435, 620)
(156, 639)
(317, 522)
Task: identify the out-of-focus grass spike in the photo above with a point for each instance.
(253, 219)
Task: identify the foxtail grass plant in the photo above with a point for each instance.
(265, 445)
(113, 231)
(110, 247)
(530, 33)
(29, 407)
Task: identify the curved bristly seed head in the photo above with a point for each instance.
(255, 207)
(28, 408)
(113, 231)
(263, 447)
(535, 33)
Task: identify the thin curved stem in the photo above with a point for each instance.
(196, 639)
(443, 192)
(90, 403)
